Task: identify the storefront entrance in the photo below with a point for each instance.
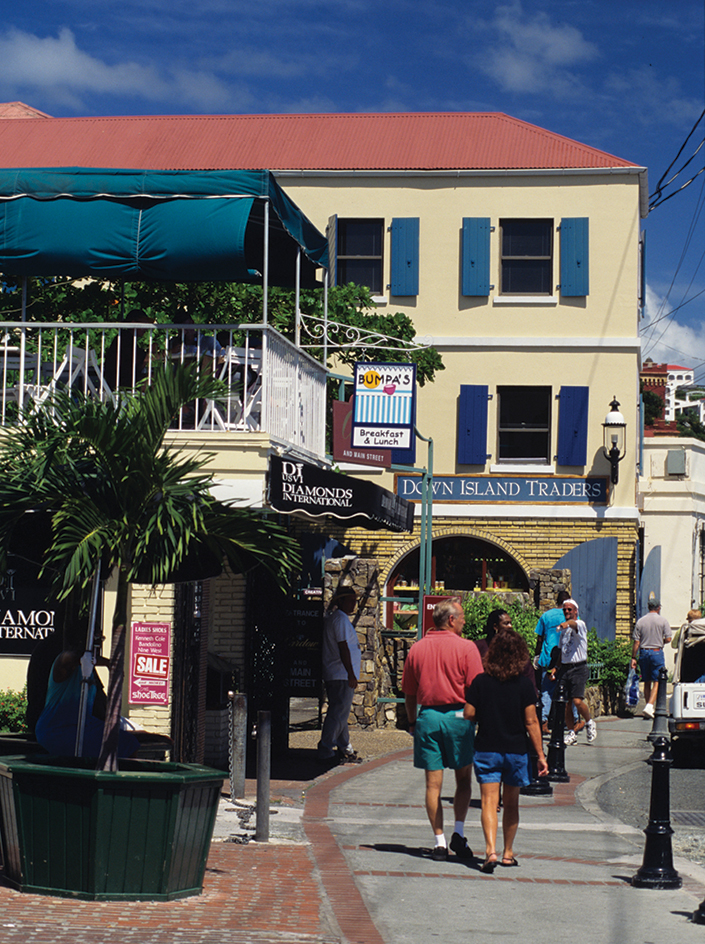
(458, 563)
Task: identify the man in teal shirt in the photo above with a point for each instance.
(547, 637)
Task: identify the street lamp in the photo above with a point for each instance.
(614, 439)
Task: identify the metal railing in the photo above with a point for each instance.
(269, 385)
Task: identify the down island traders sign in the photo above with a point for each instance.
(383, 410)
(296, 486)
(512, 489)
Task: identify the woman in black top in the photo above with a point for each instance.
(502, 702)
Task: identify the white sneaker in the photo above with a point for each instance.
(648, 711)
(591, 729)
(570, 737)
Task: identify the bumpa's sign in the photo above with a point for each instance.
(383, 411)
(296, 486)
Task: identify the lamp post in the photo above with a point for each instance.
(614, 439)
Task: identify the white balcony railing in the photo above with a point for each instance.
(269, 385)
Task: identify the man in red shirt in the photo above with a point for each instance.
(437, 671)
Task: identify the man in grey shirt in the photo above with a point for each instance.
(651, 634)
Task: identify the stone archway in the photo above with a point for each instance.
(510, 564)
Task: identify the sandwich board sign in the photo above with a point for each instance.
(150, 663)
(383, 411)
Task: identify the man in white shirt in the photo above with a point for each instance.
(341, 672)
(574, 673)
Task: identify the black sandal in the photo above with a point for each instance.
(490, 864)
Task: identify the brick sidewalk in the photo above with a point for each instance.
(252, 893)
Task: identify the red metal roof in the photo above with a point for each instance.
(443, 141)
(20, 110)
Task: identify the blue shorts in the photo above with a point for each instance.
(650, 661)
(510, 769)
(443, 738)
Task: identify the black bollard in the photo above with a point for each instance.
(539, 786)
(660, 726)
(657, 868)
(264, 771)
(556, 746)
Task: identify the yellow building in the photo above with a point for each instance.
(517, 254)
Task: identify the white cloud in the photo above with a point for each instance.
(58, 68)
(669, 341)
(652, 98)
(531, 54)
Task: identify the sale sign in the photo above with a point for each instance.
(150, 663)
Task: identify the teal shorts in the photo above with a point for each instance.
(443, 738)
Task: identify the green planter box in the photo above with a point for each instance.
(19, 744)
(141, 834)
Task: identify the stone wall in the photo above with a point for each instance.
(546, 584)
(363, 575)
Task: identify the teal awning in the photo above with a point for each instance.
(164, 225)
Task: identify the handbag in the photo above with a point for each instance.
(631, 688)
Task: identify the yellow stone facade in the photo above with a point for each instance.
(535, 544)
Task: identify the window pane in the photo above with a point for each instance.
(526, 237)
(360, 237)
(524, 423)
(526, 277)
(524, 406)
(521, 445)
(362, 272)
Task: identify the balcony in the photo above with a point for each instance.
(268, 385)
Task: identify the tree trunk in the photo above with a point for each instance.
(108, 759)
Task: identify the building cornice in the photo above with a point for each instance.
(640, 172)
(617, 345)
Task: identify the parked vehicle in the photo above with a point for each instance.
(687, 710)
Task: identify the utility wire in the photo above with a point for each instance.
(657, 193)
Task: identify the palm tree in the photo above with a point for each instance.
(118, 499)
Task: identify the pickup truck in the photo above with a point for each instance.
(686, 722)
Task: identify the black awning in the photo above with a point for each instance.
(296, 486)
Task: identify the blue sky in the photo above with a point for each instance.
(622, 75)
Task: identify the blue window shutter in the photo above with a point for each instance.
(575, 251)
(332, 234)
(475, 254)
(405, 256)
(406, 456)
(472, 424)
(573, 426)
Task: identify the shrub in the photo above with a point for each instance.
(615, 656)
(13, 707)
(478, 606)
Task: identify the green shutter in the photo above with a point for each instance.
(332, 234)
(405, 256)
(475, 255)
(575, 271)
